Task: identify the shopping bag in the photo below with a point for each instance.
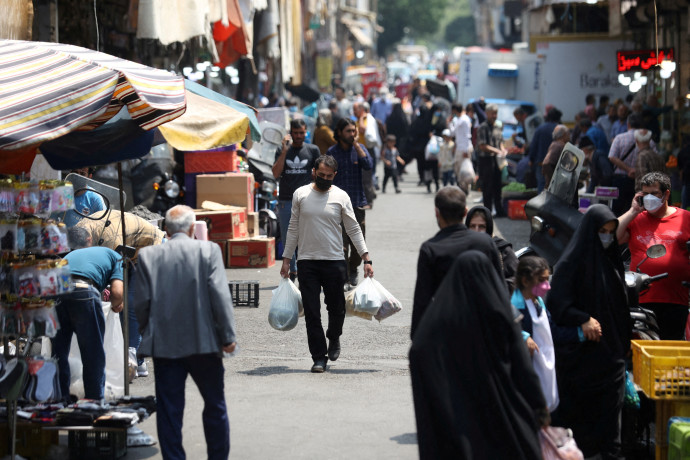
(433, 147)
(558, 444)
(367, 297)
(467, 175)
(113, 343)
(284, 311)
(299, 295)
(350, 307)
(389, 304)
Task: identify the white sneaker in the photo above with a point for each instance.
(142, 371)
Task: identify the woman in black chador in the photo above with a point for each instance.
(588, 291)
(476, 395)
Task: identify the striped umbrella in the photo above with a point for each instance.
(50, 89)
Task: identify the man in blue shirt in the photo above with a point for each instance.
(80, 312)
(352, 158)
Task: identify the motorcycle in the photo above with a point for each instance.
(644, 325)
(553, 218)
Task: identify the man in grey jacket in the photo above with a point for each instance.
(186, 320)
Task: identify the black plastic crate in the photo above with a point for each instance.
(100, 444)
(245, 293)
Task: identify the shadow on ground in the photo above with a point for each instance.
(277, 370)
(406, 438)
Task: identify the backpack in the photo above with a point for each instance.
(604, 166)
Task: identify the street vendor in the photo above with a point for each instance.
(80, 312)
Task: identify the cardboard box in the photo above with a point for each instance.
(254, 253)
(253, 224)
(223, 249)
(226, 224)
(233, 189)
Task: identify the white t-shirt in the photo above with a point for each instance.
(463, 133)
(315, 224)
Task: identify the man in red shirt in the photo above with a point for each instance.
(655, 222)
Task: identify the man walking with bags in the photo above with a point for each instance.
(186, 321)
(318, 211)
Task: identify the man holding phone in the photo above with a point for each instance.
(293, 166)
(649, 221)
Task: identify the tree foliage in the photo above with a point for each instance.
(461, 31)
(419, 16)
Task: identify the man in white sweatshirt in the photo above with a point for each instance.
(318, 209)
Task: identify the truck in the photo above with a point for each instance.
(560, 71)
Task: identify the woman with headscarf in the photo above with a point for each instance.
(588, 290)
(476, 395)
(479, 219)
(323, 134)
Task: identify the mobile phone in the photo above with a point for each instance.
(640, 201)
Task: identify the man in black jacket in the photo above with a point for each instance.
(438, 253)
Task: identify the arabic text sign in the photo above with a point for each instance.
(641, 60)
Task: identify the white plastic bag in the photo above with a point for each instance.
(367, 297)
(299, 295)
(389, 305)
(467, 174)
(432, 148)
(350, 307)
(284, 311)
(113, 343)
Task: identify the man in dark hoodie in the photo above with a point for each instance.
(438, 253)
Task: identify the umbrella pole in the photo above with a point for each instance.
(125, 281)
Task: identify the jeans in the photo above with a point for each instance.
(284, 209)
(353, 259)
(329, 275)
(80, 312)
(134, 336)
(448, 178)
(207, 372)
(541, 180)
(491, 184)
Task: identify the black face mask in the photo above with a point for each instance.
(322, 184)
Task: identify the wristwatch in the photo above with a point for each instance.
(368, 262)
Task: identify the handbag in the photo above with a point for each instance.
(558, 444)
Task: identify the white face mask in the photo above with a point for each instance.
(652, 203)
(606, 239)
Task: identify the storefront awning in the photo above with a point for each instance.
(359, 30)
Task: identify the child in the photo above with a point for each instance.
(446, 158)
(532, 284)
(391, 157)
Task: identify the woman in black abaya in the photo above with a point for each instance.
(476, 395)
(588, 290)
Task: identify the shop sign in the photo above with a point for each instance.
(641, 60)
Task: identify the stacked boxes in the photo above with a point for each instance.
(233, 189)
(219, 161)
(251, 253)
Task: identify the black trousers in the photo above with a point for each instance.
(671, 319)
(329, 275)
(351, 254)
(490, 176)
(432, 165)
(390, 173)
(626, 192)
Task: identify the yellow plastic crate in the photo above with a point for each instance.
(662, 368)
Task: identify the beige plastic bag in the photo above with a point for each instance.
(350, 307)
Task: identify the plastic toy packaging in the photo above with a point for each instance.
(29, 235)
(45, 198)
(26, 197)
(54, 239)
(41, 320)
(7, 200)
(63, 197)
(64, 277)
(26, 282)
(48, 282)
(6, 279)
(8, 235)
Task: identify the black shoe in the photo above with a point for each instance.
(353, 279)
(397, 190)
(383, 191)
(333, 349)
(319, 366)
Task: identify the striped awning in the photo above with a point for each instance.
(50, 89)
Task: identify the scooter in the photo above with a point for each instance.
(552, 214)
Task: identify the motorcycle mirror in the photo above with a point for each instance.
(653, 252)
(656, 251)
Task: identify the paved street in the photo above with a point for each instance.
(362, 406)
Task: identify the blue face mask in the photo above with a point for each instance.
(606, 239)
